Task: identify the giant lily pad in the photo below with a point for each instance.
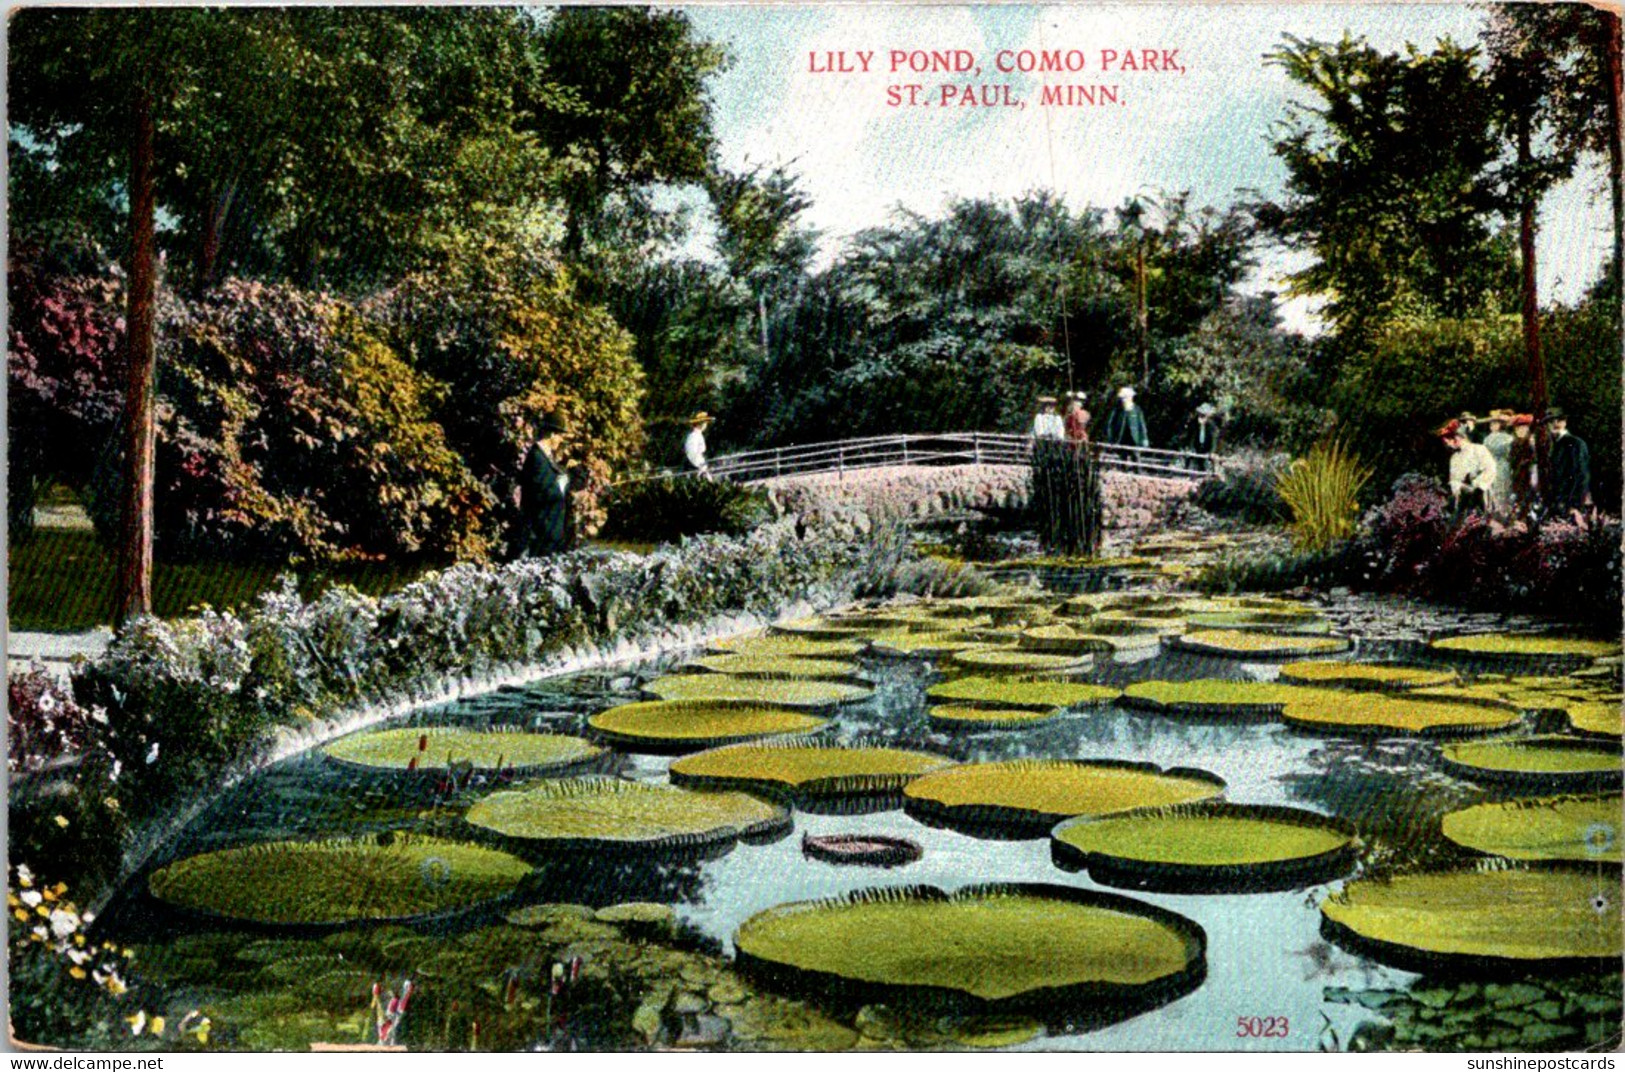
(1028, 796)
(1208, 847)
(1068, 640)
(825, 628)
(688, 726)
(606, 813)
(1489, 920)
(960, 718)
(982, 948)
(438, 747)
(1520, 648)
(805, 770)
(1005, 660)
(1002, 692)
(783, 693)
(1335, 673)
(926, 644)
(787, 646)
(777, 666)
(1299, 619)
(1247, 644)
(1596, 718)
(1554, 828)
(390, 876)
(1214, 697)
(1385, 713)
(1554, 761)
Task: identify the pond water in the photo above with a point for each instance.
(1265, 956)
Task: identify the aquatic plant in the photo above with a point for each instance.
(924, 644)
(1006, 660)
(608, 813)
(1546, 828)
(690, 725)
(1215, 697)
(1335, 673)
(777, 666)
(1049, 948)
(1028, 796)
(1386, 713)
(1322, 490)
(960, 718)
(387, 876)
(1517, 648)
(1003, 692)
(1552, 761)
(804, 770)
(1256, 645)
(783, 692)
(435, 748)
(770, 646)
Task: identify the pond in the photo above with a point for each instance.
(1272, 980)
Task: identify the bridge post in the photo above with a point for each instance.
(840, 460)
(976, 446)
(776, 460)
(905, 450)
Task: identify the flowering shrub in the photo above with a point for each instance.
(42, 721)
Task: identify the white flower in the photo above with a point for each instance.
(24, 875)
(46, 703)
(31, 898)
(152, 753)
(63, 923)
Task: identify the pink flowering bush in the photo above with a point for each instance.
(42, 721)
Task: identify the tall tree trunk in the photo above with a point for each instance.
(214, 225)
(1616, 181)
(1530, 295)
(134, 586)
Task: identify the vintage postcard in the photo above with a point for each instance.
(1075, 527)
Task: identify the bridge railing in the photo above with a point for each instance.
(935, 449)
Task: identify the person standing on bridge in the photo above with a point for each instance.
(1047, 422)
(1125, 427)
(1076, 420)
(694, 445)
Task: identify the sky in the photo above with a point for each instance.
(1203, 127)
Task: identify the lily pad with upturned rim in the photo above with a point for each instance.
(1054, 948)
(1029, 796)
(338, 881)
(924, 644)
(1583, 828)
(434, 748)
(1598, 719)
(1245, 644)
(1396, 714)
(667, 726)
(1083, 640)
(958, 718)
(1504, 920)
(1207, 848)
(1335, 673)
(1003, 692)
(825, 629)
(811, 694)
(1214, 697)
(1008, 660)
(786, 646)
(790, 667)
(1550, 760)
(802, 770)
(607, 813)
(1520, 648)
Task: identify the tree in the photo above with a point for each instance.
(1389, 183)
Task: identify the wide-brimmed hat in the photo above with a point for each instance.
(549, 424)
(1502, 415)
(1077, 396)
(1046, 400)
(1206, 409)
(1468, 418)
(1125, 392)
(1556, 413)
(1450, 430)
(700, 418)
(1523, 420)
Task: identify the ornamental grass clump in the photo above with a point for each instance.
(1323, 492)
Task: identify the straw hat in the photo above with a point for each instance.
(1125, 392)
(700, 419)
(1502, 415)
(1206, 409)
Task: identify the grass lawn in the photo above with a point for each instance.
(61, 580)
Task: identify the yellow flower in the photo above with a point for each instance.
(115, 985)
(137, 1022)
(11, 899)
(78, 939)
(22, 916)
(44, 910)
(202, 1030)
(60, 888)
(157, 1025)
(62, 821)
(77, 972)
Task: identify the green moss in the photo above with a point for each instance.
(1008, 660)
(787, 647)
(1002, 692)
(1002, 945)
(1206, 836)
(694, 724)
(822, 771)
(1555, 828)
(1375, 712)
(308, 882)
(436, 747)
(1241, 644)
(1516, 646)
(1534, 756)
(1336, 673)
(777, 666)
(610, 812)
(956, 717)
(1508, 915)
(783, 693)
(1046, 791)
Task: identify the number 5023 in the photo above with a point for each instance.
(1261, 1027)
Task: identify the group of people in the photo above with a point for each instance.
(1501, 473)
(1125, 425)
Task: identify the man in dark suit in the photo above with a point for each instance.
(1570, 487)
(545, 524)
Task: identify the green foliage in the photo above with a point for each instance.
(664, 510)
(1323, 492)
(1244, 488)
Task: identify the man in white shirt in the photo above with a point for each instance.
(1047, 423)
(694, 445)
(1472, 469)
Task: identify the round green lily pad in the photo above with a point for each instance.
(804, 770)
(1302, 619)
(957, 717)
(1551, 828)
(1600, 719)
(383, 877)
(1214, 697)
(1514, 648)
(777, 666)
(787, 646)
(434, 748)
(1003, 692)
(926, 644)
(1387, 713)
(984, 948)
(1487, 921)
(1067, 640)
(1335, 673)
(607, 813)
(1554, 761)
(1207, 848)
(783, 693)
(825, 628)
(1028, 796)
(1005, 660)
(1245, 644)
(688, 726)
